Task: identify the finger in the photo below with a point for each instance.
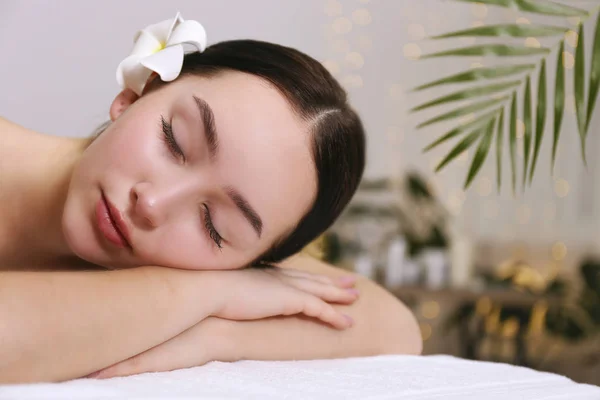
(307, 275)
(341, 281)
(175, 353)
(314, 307)
(324, 291)
(131, 366)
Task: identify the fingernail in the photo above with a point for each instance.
(349, 319)
(353, 291)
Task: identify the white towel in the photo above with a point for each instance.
(370, 378)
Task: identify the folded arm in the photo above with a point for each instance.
(61, 325)
(382, 325)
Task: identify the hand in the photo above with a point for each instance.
(210, 339)
(261, 293)
(204, 342)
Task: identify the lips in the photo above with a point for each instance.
(111, 223)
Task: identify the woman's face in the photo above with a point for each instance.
(206, 173)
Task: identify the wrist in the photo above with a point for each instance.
(193, 292)
(221, 339)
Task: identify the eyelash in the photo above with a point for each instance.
(169, 139)
(210, 228)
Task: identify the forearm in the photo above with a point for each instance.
(87, 320)
(383, 325)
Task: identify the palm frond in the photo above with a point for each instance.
(463, 111)
(460, 147)
(479, 74)
(535, 6)
(540, 118)
(476, 123)
(500, 50)
(528, 128)
(482, 151)
(487, 91)
(559, 100)
(512, 30)
(594, 75)
(512, 140)
(499, 145)
(469, 94)
(579, 88)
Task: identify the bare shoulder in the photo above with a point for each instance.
(13, 137)
(10, 129)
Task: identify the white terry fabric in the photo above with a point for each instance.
(369, 378)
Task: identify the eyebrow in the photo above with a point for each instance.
(210, 130)
(249, 213)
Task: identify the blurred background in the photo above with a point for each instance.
(492, 273)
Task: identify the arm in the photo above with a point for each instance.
(88, 320)
(383, 325)
(62, 325)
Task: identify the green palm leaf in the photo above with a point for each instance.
(480, 74)
(475, 124)
(579, 88)
(500, 50)
(528, 128)
(535, 6)
(492, 92)
(460, 147)
(462, 111)
(512, 30)
(559, 100)
(481, 153)
(512, 140)
(540, 118)
(468, 94)
(594, 75)
(499, 143)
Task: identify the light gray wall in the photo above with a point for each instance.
(57, 75)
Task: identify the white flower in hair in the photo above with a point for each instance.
(159, 48)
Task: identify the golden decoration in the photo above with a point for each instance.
(430, 309)
(559, 251)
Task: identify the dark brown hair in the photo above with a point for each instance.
(338, 136)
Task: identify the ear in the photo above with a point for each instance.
(122, 102)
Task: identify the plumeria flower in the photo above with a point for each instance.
(159, 48)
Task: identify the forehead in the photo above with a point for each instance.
(264, 146)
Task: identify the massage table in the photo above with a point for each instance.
(368, 378)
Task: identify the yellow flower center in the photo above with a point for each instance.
(159, 47)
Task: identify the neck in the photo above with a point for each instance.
(41, 191)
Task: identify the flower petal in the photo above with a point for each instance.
(146, 44)
(191, 32)
(132, 74)
(167, 63)
(162, 30)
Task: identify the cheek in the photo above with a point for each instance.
(184, 245)
(127, 147)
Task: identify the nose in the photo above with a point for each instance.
(153, 206)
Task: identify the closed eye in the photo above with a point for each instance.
(169, 139)
(210, 228)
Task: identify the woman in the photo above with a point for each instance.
(245, 157)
